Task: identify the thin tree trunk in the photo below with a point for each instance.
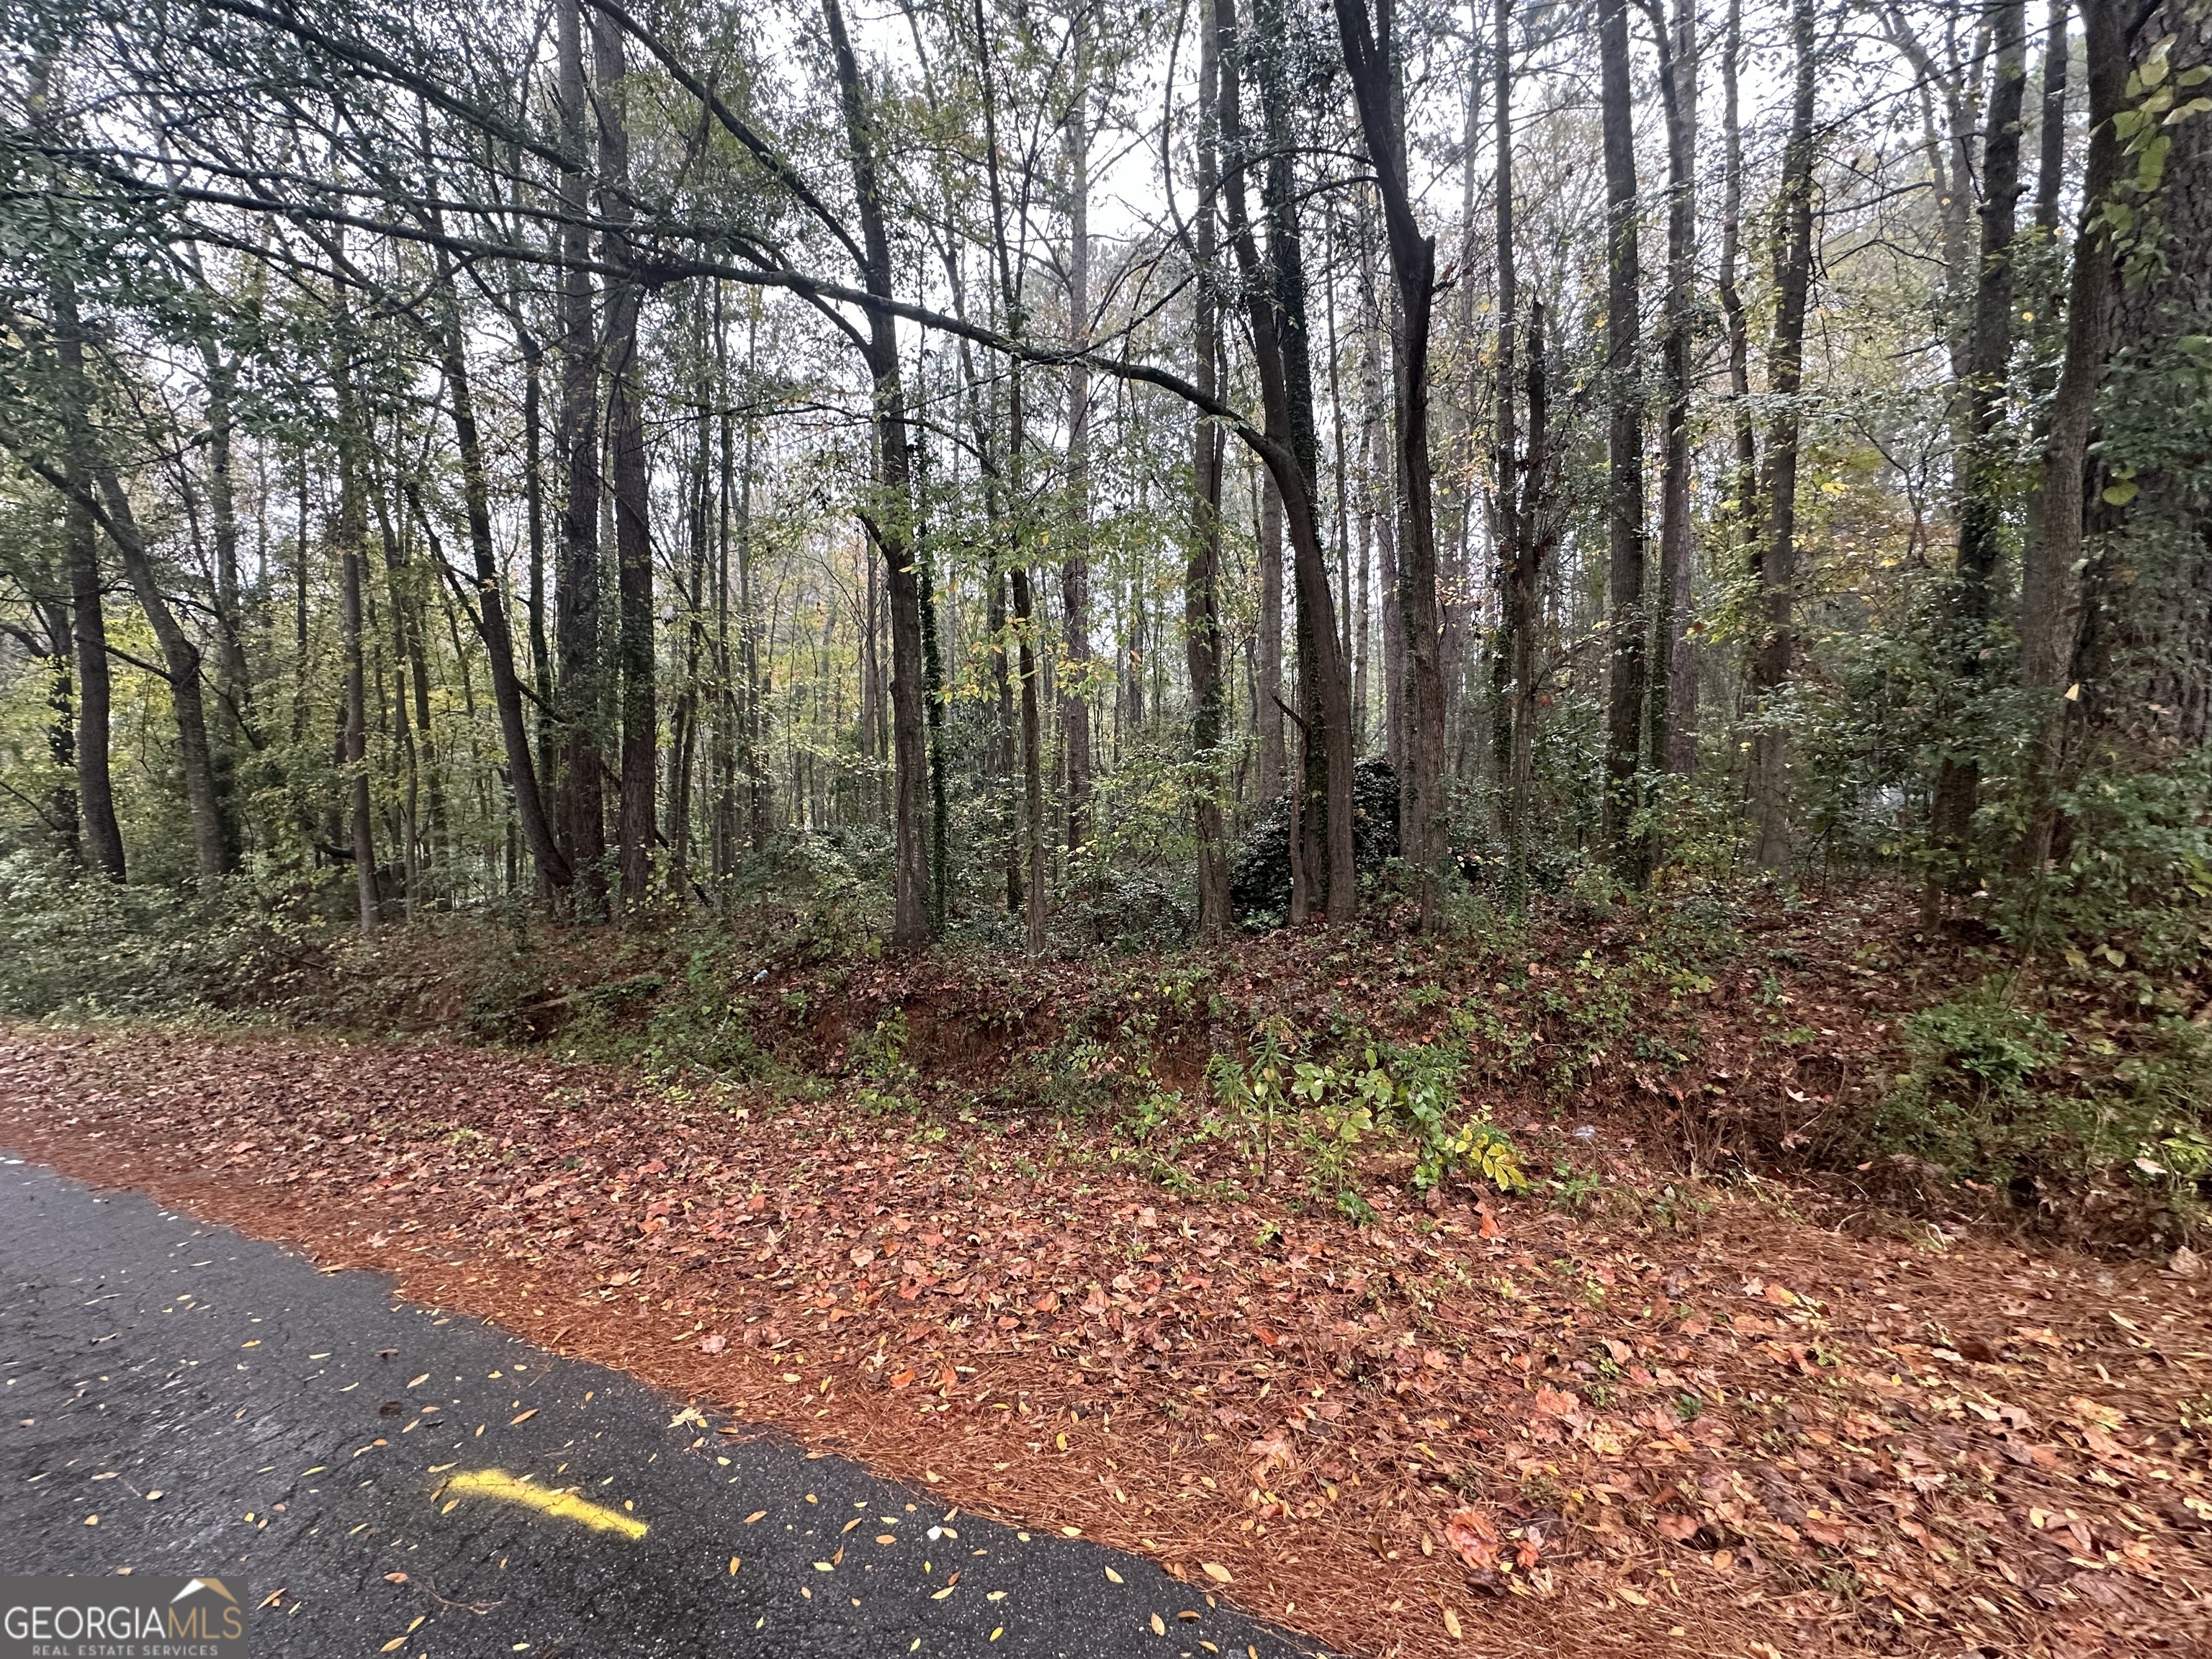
(1075, 569)
(103, 835)
(1744, 487)
(180, 660)
(553, 867)
(1421, 824)
(1628, 623)
(1983, 466)
(1673, 671)
(353, 539)
(1202, 645)
(889, 523)
(1775, 655)
(640, 730)
(2052, 548)
(1032, 760)
(1525, 589)
(1276, 316)
(576, 575)
(933, 687)
(1375, 464)
(1514, 617)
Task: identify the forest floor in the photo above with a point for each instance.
(1691, 1419)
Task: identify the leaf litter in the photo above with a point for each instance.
(1501, 1428)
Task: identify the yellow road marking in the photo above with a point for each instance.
(565, 1505)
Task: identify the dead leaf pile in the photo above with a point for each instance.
(1496, 1429)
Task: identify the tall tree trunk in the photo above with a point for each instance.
(1984, 465)
(1276, 315)
(533, 502)
(96, 790)
(1743, 488)
(1630, 625)
(684, 721)
(641, 730)
(1525, 591)
(180, 660)
(353, 554)
(1032, 762)
(577, 580)
(1421, 825)
(103, 835)
(889, 520)
(1673, 672)
(553, 868)
(1202, 644)
(1374, 463)
(1505, 487)
(933, 688)
(1075, 569)
(234, 684)
(1776, 566)
(2052, 549)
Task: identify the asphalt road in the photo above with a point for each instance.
(177, 1399)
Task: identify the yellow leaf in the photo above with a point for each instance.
(942, 1594)
(733, 1564)
(1451, 1624)
(1159, 1626)
(396, 1642)
(1113, 1575)
(523, 1417)
(1216, 1572)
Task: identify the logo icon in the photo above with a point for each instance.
(118, 1618)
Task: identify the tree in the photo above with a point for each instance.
(889, 515)
(1624, 380)
(1275, 312)
(1776, 566)
(1981, 467)
(1202, 632)
(576, 573)
(626, 446)
(1413, 265)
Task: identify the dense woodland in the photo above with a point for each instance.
(1063, 476)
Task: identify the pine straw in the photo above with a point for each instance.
(1750, 1437)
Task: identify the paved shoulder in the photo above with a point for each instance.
(177, 1399)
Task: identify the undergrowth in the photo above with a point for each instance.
(2054, 1066)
